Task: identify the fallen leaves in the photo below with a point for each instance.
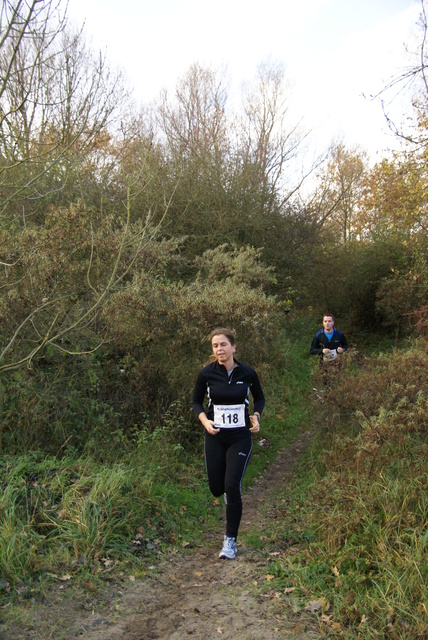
(328, 621)
(313, 606)
(364, 619)
(63, 578)
(107, 562)
(317, 605)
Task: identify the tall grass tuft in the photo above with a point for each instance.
(67, 514)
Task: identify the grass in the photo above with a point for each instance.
(68, 514)
(355, 518)
(64, 515)
(350, 533)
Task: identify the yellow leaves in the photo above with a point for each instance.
(335, 571)
(328, 621)
(63, 578)
(363, 621)
(422, 608)
(270, 577)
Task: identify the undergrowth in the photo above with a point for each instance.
(355, 524)
(76, 518)
(349, 534)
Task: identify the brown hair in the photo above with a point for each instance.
(221, 331)
(329, 315)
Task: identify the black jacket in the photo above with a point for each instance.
(321, 342)
(214, 382)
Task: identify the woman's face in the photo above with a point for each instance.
(223, 350)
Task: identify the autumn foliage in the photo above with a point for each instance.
(127, 233)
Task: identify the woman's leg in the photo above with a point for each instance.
(237, 457)
(215, 462)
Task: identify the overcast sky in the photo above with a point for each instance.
(334, 51)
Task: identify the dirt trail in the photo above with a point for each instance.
(192, 595)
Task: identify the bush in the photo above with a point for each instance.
(152, 339)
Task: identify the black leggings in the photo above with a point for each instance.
(226, 458)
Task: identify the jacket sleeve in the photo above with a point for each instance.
(316, 347)
(343, 342)
(258, 395)
(199, 394)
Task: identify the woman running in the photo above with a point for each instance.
(228, 426)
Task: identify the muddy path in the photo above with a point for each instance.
(191, 593)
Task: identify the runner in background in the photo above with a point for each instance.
(227, 383)
(329, 344)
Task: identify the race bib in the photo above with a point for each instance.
(329, 357)
(229, 416)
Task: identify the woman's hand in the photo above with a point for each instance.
(211, 428)
(256, 424)
(208, 424)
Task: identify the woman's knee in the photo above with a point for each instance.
(216, 488)
(233, 491)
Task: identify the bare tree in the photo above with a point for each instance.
(271, 140)
(194, 122)
(412, 81)
(56, 99)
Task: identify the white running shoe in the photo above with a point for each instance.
(229, 550)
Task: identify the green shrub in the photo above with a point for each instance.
(153, 337)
